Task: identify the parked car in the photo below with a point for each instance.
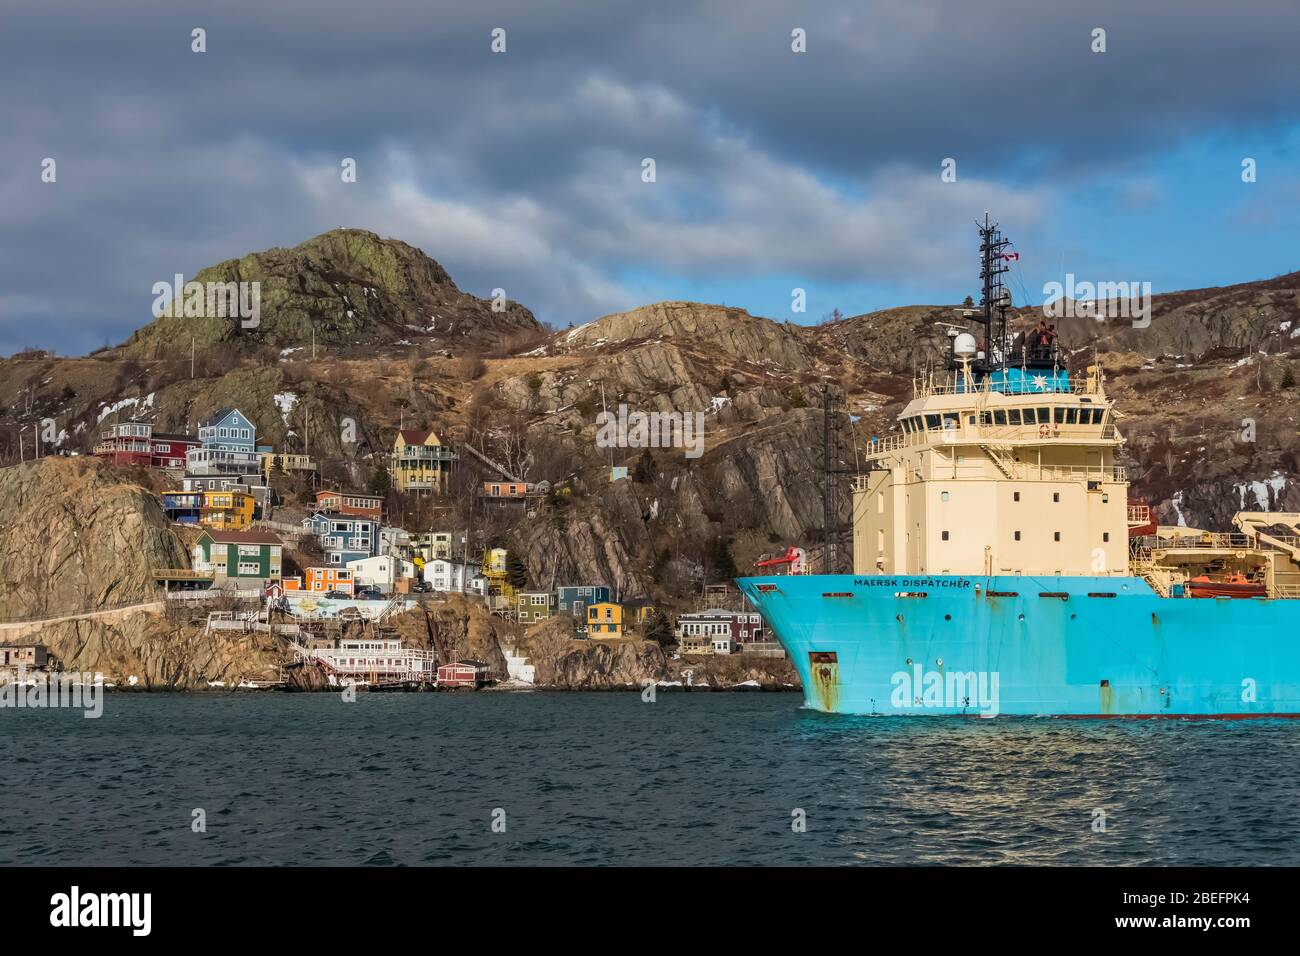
(338, 595)
(423, 587)
(370, 594)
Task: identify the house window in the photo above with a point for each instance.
(249, 567)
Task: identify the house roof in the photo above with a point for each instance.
(340, 516)
(243, 537)
(175, 436)
(347, 494)
(416, 436)
(217, 416)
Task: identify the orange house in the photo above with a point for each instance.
(322, 580)
(505, 489)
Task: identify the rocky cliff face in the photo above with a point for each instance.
(160, 653)
(78, 536)
(463, 627)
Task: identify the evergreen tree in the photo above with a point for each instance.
(659, 629)
(381, 482)
(720, 561)
(516, 571)
(645, 469)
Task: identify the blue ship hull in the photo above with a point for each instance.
(1035, 646)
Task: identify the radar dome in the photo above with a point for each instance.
(964, 344)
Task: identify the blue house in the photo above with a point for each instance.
(344, 538)
(229, 446)
(183, 507)
(577, 598)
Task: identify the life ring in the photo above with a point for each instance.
(1044, 431)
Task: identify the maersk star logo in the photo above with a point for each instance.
(1040, 382)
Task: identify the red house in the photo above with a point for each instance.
(463, 674)
(136, 443)
(350, 503)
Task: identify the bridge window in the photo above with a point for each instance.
(1017, 535)
(1056, 536)
(931, 421)
(1013, 416)
(1015, 496)
(986, 418)
(945, 536)
(1060, 415)
(1105, 536)
(1056, 496)
(1071, 416)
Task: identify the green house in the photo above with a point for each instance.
(245, 557)
(534, 606)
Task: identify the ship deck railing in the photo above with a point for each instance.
(1030, 471)
(1204, 541)
(1029, 435)
(928, 389)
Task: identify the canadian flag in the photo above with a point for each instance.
(1008, 256)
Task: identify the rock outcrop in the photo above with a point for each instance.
(78, 537)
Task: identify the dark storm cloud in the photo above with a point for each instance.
(522, 170)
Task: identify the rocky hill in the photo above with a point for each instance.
(351, 289)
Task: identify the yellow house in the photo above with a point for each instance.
(286, 461)
(605, 620)
(227, 510)
(420, 461)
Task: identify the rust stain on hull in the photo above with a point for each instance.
(825, 672)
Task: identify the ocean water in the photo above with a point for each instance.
(605, 778)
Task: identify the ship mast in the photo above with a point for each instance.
(993, 297)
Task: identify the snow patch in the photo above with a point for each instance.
(285, 401)
(1276, 483)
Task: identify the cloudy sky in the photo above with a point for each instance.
(523, 169)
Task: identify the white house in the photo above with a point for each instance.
(382, 572)
(454, 576)
(395, 541)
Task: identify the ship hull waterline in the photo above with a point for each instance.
(1031, 646)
